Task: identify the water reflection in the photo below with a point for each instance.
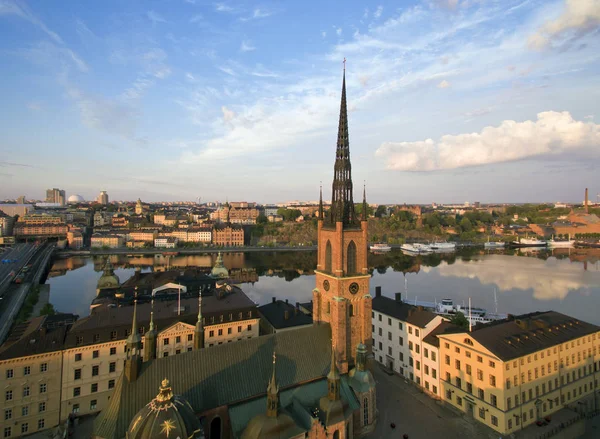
(566, 280)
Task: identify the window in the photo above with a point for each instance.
(7, 414)
(249, 327)
(44, 367)
(410, 345)
(389, 336)
(93, 404)
(390, 353)
(95, 370)
(365, 410)
(8, 395)
(410, 329)
(416, 332)
(400, 326)
(494, 421)
(380, 346)
(76, 391)
(389, 322)
(507, 383)
(78, 340)
(111, 384)
(481, 394)
(457, 364)
(9, 373)
(77, 374)
(401, 341)
(426, 370)
(492, 381)
(190, 337)
(7, 431)
(113, 351)
(379, 315)
(41, 424)
(24, 427)
(457, 349)
(481, 412)
(434, 389)
(458, 400)
(418, 349)
(178, 339)
(380, 331)
(166, 354)
(43, 388)
(78, 357)
(480, 374)
(25, 410)
(447, 360)
(27, 370)
(94, 387)
(433, 373)
(112, 367)
(433, 355)
(401, 356)
(508, 403)
(211, 333)
(351, 258)
(426, 352)
(470, 388)
(41, 407)
(410, 361)
(468, 369)
(328, 257)
(96, 338)
(493, 400)
(95, 354)
(509, 424)
(165, 341)
(479, 359)
(458, 382)
(448, 376)
(448, 394)
(75, 408)
(26, 391)
(468, 354)
(418, 365)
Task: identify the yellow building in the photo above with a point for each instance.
(112, 241)
(512, 373)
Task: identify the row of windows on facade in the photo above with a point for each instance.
(540, 390)
(24, 428)
(26, 391)
(389, 321)
(411, 347)
(10, 373)
(93, 388)
(112, 367)
(142, 330)
(8, 413)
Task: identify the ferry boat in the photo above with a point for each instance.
(416, 248)
(442, 246)
(568, 243)
(475, 315)
(493, 244)
(380, 247)
(528, 242)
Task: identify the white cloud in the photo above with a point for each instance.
(378, 12)
(553, 133)
(444, 84)
(190, 77)
(578, 18)
(11, 7)
(323, 34)
(366, 13)
(261, 13)
(222, 7)
(338, 31)
(247, 46)
(228, 115)
(155, 17)
(227, 70)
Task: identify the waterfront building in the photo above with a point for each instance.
(75, 239)
(165, 242)
(40, 230)
(512, 373)
(228, 235)
(280, 316)
(317, 388)
(401, 343)
(99, 240)
(6, 224)
(143, 235)
(103, 198)
(199, 234)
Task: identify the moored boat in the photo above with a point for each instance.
(416, 248)
(567, 243)
(380, 247)
(528, 242)
(442, 246)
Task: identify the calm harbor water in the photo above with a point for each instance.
(565, 280)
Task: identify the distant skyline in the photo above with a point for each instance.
(449, 100)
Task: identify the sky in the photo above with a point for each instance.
(448, 100)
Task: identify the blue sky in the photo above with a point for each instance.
(449, 100)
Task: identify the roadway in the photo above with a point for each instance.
(22, 254)
(15, 295)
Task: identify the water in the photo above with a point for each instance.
(567, 281)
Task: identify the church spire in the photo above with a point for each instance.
(150, 337)
(342, 204)
(321, 202)
(333, 379)
(365, 214)
(133, 359)
(273, 393)
(199, 331)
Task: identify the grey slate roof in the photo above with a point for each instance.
(432, 337)
(402, 311)
(523, 335)
(222, 375)
(275, 314)
(40, 341)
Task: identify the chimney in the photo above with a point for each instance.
(297, 305)
(586, 200)
(399, 297)
(420, 308)
(274, 300)
(377, 291)
(286, 314)
(286, 301)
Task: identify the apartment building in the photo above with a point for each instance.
(165, 242)
(111, 241)
(228, 236)
(399, 334)
(143, 235)
(199, 234)
(75, 239)
(514, 372)
(48, 230)
(6, 224)
(30, 365)
(40, 219)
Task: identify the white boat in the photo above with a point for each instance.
(493, 244)
(475, 315)
(528, 242)
(568, 243)
(442, 246)
(416, 248)
(380, 248)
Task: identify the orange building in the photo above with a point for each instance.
(228, 235)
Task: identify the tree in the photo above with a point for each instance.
(460, 320)
(381, 211)
(261, 219)
(47, 310)
(466, 225)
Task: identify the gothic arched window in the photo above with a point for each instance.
(328, 257)
(366, 411)
(351, 258)
(336, 434)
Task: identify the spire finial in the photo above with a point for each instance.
(321, 200)
(344, 64)
(134, 322)
(200, 306)
(365, 215)
(273, 383)
(152, 314)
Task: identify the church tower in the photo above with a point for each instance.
(341, 296)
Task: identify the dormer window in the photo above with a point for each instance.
(468, 341)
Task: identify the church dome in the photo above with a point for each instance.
(166, 416)
(219, 269)
(108, 279)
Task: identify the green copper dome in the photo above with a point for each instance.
(108, 279)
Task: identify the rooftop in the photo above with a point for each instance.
(525, 334)
(400, 310)
(283, 315)
(432, 337)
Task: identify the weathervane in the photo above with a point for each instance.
(344, 63)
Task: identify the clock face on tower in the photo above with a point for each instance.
(353, 288)
(326, 285)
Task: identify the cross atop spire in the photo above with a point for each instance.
(342, 204)
(365, 214)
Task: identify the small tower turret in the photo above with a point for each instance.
(133, 359)
(365, 206)
(199, 330)
(150, 338)
(333, 379)
(273, 394)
